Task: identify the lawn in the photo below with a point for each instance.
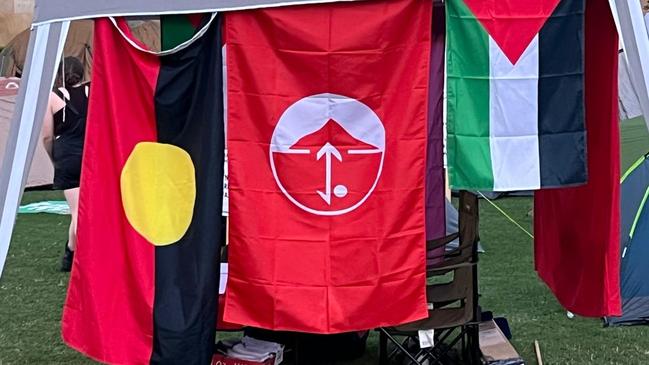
(32, 290)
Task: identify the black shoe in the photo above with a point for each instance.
(66, 261)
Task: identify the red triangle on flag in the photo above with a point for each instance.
(512, 23)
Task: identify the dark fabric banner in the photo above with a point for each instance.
(562, 139)
(435, 182)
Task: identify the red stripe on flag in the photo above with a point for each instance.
(108, 312)
(195, 19)
(512, 24)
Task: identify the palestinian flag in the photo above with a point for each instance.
(145, 278)
(326, 151)
(515, 93)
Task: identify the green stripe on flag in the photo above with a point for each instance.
(469, 157)
(174, 30)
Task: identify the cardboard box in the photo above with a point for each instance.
(495, 347)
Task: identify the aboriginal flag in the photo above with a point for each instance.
(327, 114)
(145, 278)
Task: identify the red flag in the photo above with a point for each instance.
(577, 230)
(326, 146)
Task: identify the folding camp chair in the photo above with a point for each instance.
(453, 304)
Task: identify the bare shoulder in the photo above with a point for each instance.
(56, 103)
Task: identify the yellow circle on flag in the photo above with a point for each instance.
(158, 187)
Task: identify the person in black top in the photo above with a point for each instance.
(64, 129)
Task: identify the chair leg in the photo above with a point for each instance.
(296, 351)
(475, 344)
(471, 354)
(383, 348)
(401, 347)
(463, 345)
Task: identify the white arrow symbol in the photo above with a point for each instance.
(327, 150)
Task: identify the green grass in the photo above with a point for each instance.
(32, 292)
(510, 287)
(634, 139)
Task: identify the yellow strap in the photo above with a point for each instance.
(506, 215)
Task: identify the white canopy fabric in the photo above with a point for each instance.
(631, 27)
(628, 101)
(47, 11)
(50, 26)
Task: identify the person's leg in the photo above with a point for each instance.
(72, 197)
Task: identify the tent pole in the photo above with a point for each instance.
(633, 32)
(43, 54)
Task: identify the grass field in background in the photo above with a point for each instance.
(32, 290)
(634, 141)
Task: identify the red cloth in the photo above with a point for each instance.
(577, 248)
(304, 257)
(108, 310)
(222, 325)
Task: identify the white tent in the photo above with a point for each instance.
(41, 172)
(628, 102)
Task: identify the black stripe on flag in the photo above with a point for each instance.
(189, 112)
(562, 136)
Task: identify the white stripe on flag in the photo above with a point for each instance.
(513, 118)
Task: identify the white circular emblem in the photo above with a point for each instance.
(327, 153)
